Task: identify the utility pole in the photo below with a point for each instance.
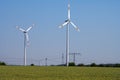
(62, 58)
(74, 56)
(46, 61)
(39, 62)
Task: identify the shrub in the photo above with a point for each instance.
(117, 65)
(32, 65)
(71, 64)
(2, 63)
(81, 64)
(93, 65)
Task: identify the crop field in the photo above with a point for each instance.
(58, 73)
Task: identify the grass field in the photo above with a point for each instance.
(58, 73)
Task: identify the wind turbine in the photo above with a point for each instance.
(26, 40)
(67, 24)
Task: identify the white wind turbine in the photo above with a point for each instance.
(67, 23)
(26, 40)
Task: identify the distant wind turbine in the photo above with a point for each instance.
(67, 23)
(26, 40)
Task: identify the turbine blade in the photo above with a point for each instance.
(75, 26)
(27, 37)
(20, 29)
(63, 24)
(28, 29)
(68, 11)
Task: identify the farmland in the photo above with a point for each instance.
(58, 73)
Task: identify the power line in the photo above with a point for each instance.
(62, 58)
(74, 56)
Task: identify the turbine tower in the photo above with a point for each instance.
(26, 40)
(67, 24)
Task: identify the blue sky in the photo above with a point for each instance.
(98, 40)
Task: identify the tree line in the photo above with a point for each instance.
(79, 65)
(95, 65)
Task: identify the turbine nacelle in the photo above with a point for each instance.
(67, 20)
(24, 32)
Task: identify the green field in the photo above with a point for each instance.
(58, 73)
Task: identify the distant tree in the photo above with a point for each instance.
(117, 65)
(109, 65)
(93, 65)
(2, 63)
(71, 64)
(101, 65)
(81, 64)
(32, 65)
